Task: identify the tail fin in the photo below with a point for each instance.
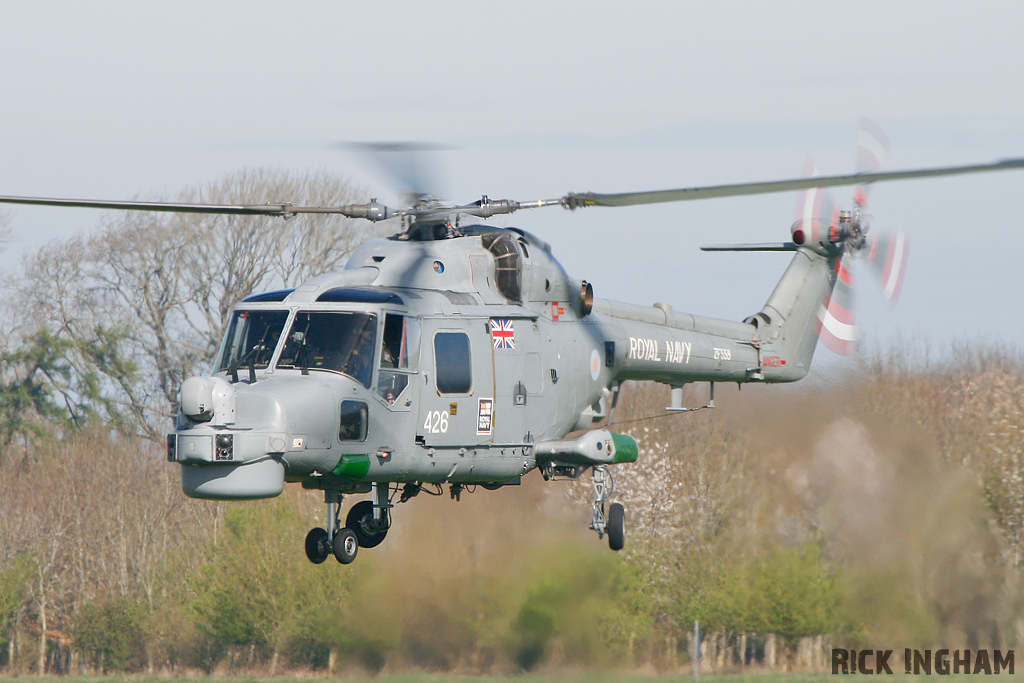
(790, 322)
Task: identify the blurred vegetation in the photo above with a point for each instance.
(825, 516)
(880, 505)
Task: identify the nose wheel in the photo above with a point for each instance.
(345, 545)
(318, 547)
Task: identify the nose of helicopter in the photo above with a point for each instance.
(241, 440)
(229, 441)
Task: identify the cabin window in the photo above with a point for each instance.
(251, 339)
(338, 341)
(453, 363)
(353, 421)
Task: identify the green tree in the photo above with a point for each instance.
(14, 591)
(241, 589)
(111, 633)
(566, 606)
(637, 597)
(258, 591)
(789, 591)
(50, 387)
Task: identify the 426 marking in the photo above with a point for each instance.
(437, 422)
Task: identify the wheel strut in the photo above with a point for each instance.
(370, 520)
(382, 504)
(614, 522)
(320, 542)
(333, 500)
(341, 541)
(604, 485)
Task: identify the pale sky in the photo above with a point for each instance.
(110, 100)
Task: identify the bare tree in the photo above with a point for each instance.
(146, 297)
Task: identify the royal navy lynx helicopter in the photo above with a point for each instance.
(459, 354)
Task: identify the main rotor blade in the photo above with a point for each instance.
(231, 209)
(579, 200)
(486, 207)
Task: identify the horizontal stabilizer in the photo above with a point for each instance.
(763, 246)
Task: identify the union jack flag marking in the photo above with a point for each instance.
(502, 333)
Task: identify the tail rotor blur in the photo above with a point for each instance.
(837, 315)
(884, 254)
(887, 258)
(872, 153)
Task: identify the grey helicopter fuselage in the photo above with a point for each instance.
(463, 359)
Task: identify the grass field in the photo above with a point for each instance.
(568, 678)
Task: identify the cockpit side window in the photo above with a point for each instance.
(353, 421)
(398, 351)
(399, 341)
(328, 340)
(251, 339)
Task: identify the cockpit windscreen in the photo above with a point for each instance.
(251, 339)
(339, 341)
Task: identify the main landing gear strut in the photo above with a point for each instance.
(366, 525)
(614, 523)
(611, 522)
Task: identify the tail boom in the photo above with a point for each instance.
(774, 345)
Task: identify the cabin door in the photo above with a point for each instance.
(458, 384)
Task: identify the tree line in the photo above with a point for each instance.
(878, 503)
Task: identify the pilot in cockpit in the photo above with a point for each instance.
(387, 386)
(359, 362)
(387, 359)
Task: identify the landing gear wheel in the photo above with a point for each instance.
(317, 547)
(345, 545)
(369, 532)
(616, 526)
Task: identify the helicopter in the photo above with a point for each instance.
(459, 354)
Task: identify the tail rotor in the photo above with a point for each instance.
(887, 258)
(837, 326)
(884, 254)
